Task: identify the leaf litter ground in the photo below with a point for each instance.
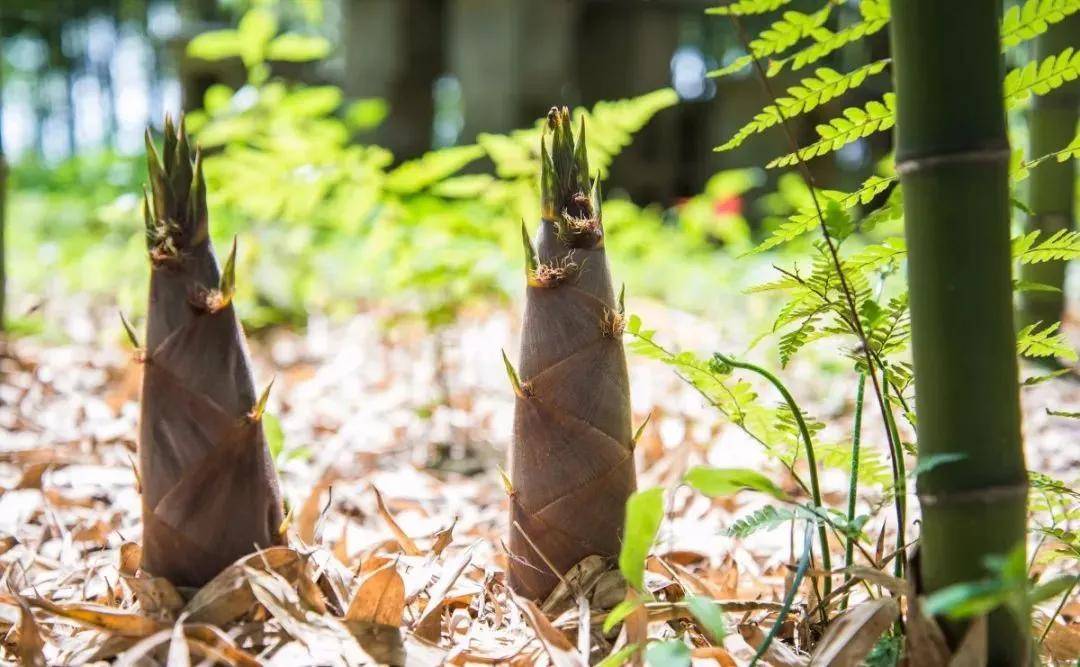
(389, 444)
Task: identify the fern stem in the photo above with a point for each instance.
(853, 489)
(789, 598)
(811, 460)
(899, 483)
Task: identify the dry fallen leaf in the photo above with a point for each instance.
(778, 654)
(407, 544)
(380, 598)
(851, 636)
(123, 623)
(228, 595)
(558, 646)
(31, 647)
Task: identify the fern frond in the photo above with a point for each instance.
(875, 16)
(1033, 18)
(779, 37)
(1022, 169)
(1062, 245)
(1048, 342)
(747, 7)
(855, 124)
(812, 92)
(794, 340)
(879, 255)
(1039, 78)
(766, 518)
(806, 219)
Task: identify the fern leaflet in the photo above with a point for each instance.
(1048, 342)
(766, 518)
(1039, 78)
(1062, 245)
(778, 37)
(814, 91)
(875, 14)
(747, 7)
(1033, 18)
(854, 124)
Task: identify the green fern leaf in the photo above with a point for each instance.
(1039, 78)
(854, 124)
(1062, 245)
(1033, 18)
(779, 37)
(806, 220)
(794, 340)
(812, 92)
(747, 7)
(875, 16)
(1021, 169)
(1047, 342)
(766, 518)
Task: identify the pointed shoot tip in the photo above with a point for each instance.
(133, 338)
(519, 390)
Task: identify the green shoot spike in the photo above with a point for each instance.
(227, 286)
(197, 212)
(547, 182)
(158, 183)
(519, 391)
(562, 146)
(597, 196)
(640, 430)
(530, 253)
(260, 407)
(169, 150)
(581, 157)
(130, 331)
(622, 299)
(508, 486)
(148, 219)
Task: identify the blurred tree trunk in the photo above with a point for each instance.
(394, 51)
(1052, 125)
(953, 159)
(483, 53)
(3, 196)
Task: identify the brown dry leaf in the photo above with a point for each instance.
(31, 647)
(894, 585)
(407, 544)
(221, 643)
(308, 516)
(778, 654)
(429, 626)
(123, 623)
(130, 558)
(382, 642)
(717, 654)
(851, 636)
(32, 474)
(451, 570)
(577, 582)
(156, 595)
(1062, 641)
(228, 596)
(558, 646)
(972, 649)
(380, 598)
(7, 543)
(636, 626)
(443, 538)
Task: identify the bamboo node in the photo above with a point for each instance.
(984, 155)
(985, 496)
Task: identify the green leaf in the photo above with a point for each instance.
(968, 599)
(292, 47)
(710, 615)
(1053, 588)
(670, 653)
(215, 45)
(1047, 342)
(766, 518)
(1032, 18)
(367, 113)
(255, 30)
(1041, 77)
(747, 7)
(619, 658)
(779, 37)
(853, 124)
(644, 512)
(633, 325)
(619, 614)
(718, 482)
(430, 168)
(928, 463)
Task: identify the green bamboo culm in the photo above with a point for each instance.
(1051, 125)
(952, 154)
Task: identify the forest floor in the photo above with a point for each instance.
(425, 422)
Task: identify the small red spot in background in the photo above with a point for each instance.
(728, 206)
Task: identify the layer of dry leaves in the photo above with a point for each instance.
(393, 445)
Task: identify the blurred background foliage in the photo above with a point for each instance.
(385, 150)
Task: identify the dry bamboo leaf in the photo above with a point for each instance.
(137, 654)
(429, 626)
(380, 598)
(308, 516)
(156, 595)
(851, 636)
(778, 654)
(577, 582)
(382, 642)
(31, 647)
(558, 646)
(717, 654)
(130, 558)
(636, 626)
(228, 596)
(450, 572)
(972, 649)
(179, 655)
(1062, 641)
(123, 623)
(894, 585)
(7, 543)
(406, 542)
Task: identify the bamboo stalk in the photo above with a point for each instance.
(1052, 125)
(952, 156)
(853, 481)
